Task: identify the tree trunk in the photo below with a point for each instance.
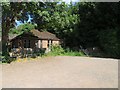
(5, 37)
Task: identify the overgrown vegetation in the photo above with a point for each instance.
(57, 50)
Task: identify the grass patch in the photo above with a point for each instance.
(72, 53)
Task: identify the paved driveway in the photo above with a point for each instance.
(0, 76)
(61, 72)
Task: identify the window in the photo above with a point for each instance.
(49, 43)
(15, 44)
(29, 44)
(36, 43)
(40, 43)
(26, 43)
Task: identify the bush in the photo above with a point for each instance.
(6, 58)
(55, 50)
(58, 50)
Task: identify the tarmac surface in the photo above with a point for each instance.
(61, 72)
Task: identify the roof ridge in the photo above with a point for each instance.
(43, 34)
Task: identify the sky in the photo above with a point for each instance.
(19, 22)
(29, 20)
(68, 1)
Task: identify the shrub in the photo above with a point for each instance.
(6, 58)
(58, 50)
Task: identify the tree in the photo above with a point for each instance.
(10, 12)
(60, 19)
(76, 24)
(26, 27)
(99, 26)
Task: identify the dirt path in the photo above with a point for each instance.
(61, 72)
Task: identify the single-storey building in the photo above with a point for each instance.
(33, 41)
